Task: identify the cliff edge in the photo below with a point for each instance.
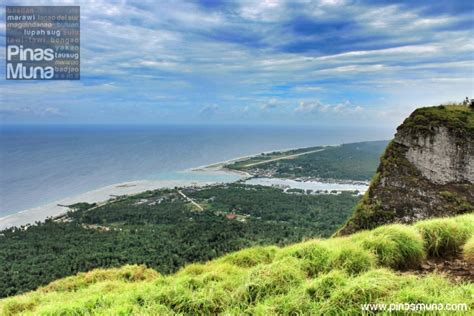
(426, 171)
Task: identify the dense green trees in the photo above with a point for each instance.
(163, 231)
(357, 161)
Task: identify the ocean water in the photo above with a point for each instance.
(43, 164)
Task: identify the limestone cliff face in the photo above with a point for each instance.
(426, 171)
(439, 158)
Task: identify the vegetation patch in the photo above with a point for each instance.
(252, 256)
(353, 259)
(468, 251)
(273, 279)
(356, 161)
(352, 270)
(445, 237)
(396, 246)
(322, 288)
(425, 121)
(314, 256)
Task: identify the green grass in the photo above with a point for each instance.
(455, 117)
(396, 246)
(318, 277)
(468, 250)
(251, 256)
(313, 256)
(446, 236)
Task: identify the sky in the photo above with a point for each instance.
(327, 62)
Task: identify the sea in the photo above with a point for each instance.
(40, 164)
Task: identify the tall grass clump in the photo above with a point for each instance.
(22, 304)
(433, 289)
(251, 256)
(314, 256)
(468, 251)
(353, 259)
(370, 287)
(199, 288)
(396, 246)
(445, 236)
(129, 273)
(466, 221)
(273, 279)
(295, 302)
(321, 288)
(386, 287)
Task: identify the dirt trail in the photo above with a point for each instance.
(455, 268)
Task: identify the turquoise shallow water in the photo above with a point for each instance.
(43, 164)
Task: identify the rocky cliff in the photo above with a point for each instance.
(426, 171)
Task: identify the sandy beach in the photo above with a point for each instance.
(103, 194)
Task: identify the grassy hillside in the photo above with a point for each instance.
(320, 277)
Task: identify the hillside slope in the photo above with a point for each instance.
(426, 171)
(318, 277)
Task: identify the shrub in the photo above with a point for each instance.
(396, 246)
(444, 236)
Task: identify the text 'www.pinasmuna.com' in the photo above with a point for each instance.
(412, 307)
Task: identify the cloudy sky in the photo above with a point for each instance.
(335, 62)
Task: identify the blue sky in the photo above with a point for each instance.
(330, 62)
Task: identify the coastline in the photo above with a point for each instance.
(103, 194)
(100, 195)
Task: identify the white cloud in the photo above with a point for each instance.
(273, 103)
(237, 56)
(307, 107)
(209, 110)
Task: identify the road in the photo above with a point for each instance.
(191, 200)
